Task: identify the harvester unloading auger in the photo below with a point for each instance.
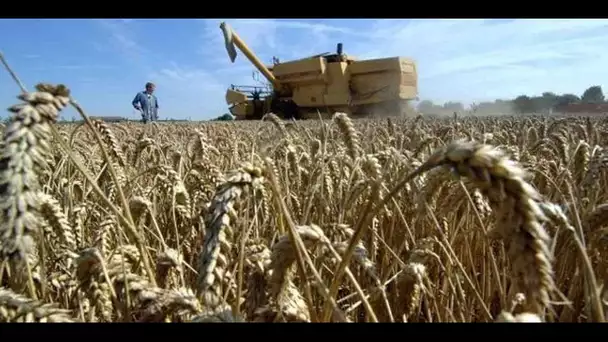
(322, 85)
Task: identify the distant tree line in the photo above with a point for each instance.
(224, 117)
(548, 102)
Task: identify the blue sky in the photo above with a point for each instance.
(105, 62)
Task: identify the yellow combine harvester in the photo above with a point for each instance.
(322, 85)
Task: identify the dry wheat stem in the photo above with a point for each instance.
(123, 200)
(301, 249)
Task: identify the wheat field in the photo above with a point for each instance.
(389, 220)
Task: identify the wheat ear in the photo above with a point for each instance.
(517, 205)
(213, 258)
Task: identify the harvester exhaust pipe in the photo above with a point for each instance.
(339, 49)
(231, 39)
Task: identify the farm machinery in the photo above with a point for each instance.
(320, 85)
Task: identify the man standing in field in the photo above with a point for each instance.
(147, 103)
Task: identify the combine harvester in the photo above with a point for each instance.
(321, 85)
